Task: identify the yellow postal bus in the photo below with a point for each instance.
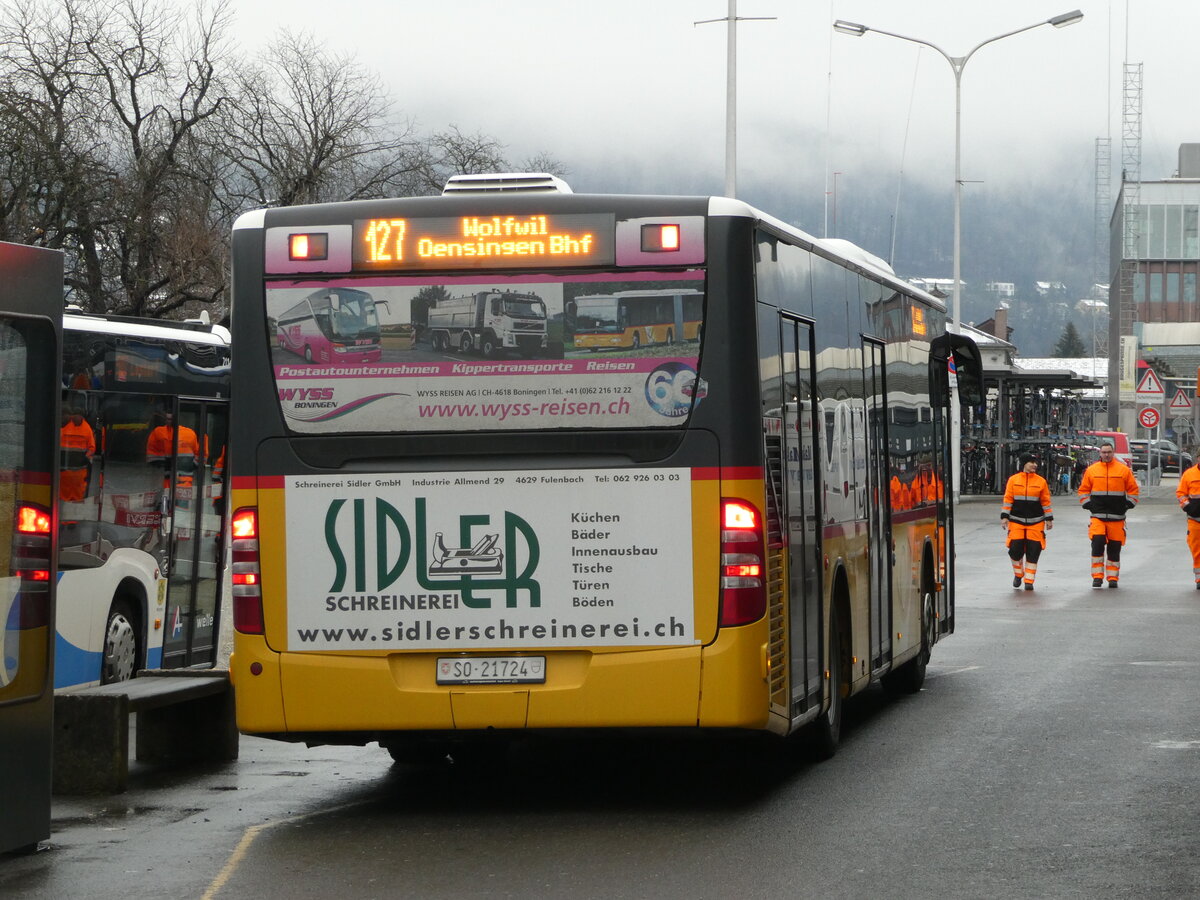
(694, 535)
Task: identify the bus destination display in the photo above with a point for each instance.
(478, 241)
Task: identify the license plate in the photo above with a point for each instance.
(491, 670)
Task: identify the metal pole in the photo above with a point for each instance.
(731, 21)
(955, 406)
(731, 103)
(957, 64)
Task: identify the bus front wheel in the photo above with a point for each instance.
(120, 644)
(308, 357)
(637, 340)
(909, 678)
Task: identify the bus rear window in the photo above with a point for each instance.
(483, 353)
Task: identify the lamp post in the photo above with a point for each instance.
(731, 90)
(957, 64)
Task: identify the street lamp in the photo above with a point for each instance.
(731, 90)
(957, 64)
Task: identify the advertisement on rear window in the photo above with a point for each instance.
(476, 353)
(470, 560)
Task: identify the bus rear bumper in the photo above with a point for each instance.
(719, 686)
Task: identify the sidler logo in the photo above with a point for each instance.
(481, 559)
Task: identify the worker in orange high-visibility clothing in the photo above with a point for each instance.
(1026, 515)
(160, 447)
(1188, 495)
(1107, 490)
(76, 447)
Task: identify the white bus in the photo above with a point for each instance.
(332, 327)
(141, 496)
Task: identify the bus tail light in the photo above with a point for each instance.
(247, 573)
(743, 594)
(660, 238)
(308, 246)
(31, 563)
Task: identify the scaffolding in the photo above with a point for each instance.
(1131, 168)
(1102, 242)
(1131, 230)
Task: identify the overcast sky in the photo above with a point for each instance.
(634, 84)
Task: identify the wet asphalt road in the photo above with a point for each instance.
(1054, 752)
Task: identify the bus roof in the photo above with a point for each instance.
(501, 191)
(194, 333)
(832, 248)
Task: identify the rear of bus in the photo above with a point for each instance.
(442, 545)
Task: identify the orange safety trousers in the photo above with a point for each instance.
(1017, 532)
(1025, 567)
(1113, 532)
(1193, 540)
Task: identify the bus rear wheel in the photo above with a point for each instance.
(637, 340)
(825, 733)
(120, 645)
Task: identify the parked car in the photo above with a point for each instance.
(1170, 457)
(1164, 455)
(1139, 451)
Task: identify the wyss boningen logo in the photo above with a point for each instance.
(470, 567)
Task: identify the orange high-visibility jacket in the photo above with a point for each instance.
(1027, 500)
(1110, 489)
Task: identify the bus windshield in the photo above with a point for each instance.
(461, 353)
(348, 314)
(596, 314)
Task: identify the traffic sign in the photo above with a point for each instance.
(1181, 400)
(1148, 417)
(1150, 386)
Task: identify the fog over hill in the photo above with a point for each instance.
(1040, 230)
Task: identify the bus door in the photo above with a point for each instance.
(802, 514)
(879, 538)
(29, 402)
(196, 515)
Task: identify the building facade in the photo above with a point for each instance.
(1154, 254)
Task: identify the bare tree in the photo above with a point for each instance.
(131, 137)
(310, 126)
(107, 97)
(544, 162)
(453, 152)
(50, 155)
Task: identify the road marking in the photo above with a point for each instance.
(248, 837)
(949, 670)
(1176, 745)
(1168, 663)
